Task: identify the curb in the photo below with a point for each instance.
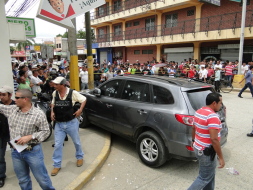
(87, 174)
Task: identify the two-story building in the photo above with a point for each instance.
(172, 30)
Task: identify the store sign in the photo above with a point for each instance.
(19, 53)
(60, 53)
(28, 22)
(238, 1)
(213, 2)
(80, 51)
(61, 12)
(37, 48)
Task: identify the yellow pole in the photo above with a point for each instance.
(74, 73)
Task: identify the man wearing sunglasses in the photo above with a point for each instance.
(30, 123)
(5, 97)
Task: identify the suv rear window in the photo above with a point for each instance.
(198, 97)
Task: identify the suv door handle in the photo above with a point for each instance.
(142, 111)
(109, 105)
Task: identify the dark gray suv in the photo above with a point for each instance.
(155, 112)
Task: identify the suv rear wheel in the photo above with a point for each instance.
(151, 149)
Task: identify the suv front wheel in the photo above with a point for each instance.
(151, 149)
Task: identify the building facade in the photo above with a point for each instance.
(172, 30)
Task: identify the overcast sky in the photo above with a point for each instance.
(47, 30)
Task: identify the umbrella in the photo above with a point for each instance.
(160, 65)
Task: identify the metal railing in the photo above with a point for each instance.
(206, 24)
(118, 7)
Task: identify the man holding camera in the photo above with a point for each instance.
(206, 142)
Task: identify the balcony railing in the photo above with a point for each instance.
(104, 10)
(206, 24)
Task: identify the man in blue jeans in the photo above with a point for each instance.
(30, 123)
(248, 82)
(206, 142)
(63, 112)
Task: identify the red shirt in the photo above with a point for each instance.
(210, 72)
(229, 70)
(191, 74)
(204, 119)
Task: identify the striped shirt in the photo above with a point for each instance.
(229, 70)
(205, 119)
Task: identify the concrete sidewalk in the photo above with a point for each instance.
(96, 147)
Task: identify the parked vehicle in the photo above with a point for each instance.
(155, 112)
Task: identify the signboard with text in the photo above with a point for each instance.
(60, 12)
(213, 2)
(28, 22)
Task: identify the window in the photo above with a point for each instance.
(136, 91)
(248, 3)
(162, 95)
(137, 52)
(149, 51)
(117, 5)
(150, 24)
(59, 45)
(101, 33)
(136, 23)
(128, 24)
(101, 11)
(111, 89)
(171, 20)
(190, 12)
(117, 30)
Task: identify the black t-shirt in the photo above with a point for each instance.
(12, 102)
(97, 77)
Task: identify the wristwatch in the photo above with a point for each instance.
(193, 140)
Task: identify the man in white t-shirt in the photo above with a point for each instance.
(218, 65)
(244, 68)
(84, 78)
(109, 74)
(203, 73)
(36, 82)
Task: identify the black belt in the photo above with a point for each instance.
(29, 148)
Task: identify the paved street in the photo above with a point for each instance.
(124, 170)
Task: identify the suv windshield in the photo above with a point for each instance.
(198, 97)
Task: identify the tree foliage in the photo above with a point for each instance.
(80, 34)
(12, 49)
(28, 42)
(65, 35)
(58, 35)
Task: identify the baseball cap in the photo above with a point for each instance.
(5, 89)
(142, 64)
(58, 80)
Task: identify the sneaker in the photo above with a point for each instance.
(79, 163)
(250, 134)
(240, 96)
(55, 171)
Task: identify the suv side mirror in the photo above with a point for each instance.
(97, 92)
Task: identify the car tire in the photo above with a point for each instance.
(154, 153)
(83, 120)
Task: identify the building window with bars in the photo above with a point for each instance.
(190, 12)
(137, 52)
(150, 24)
(136, 23)
(100, 33)
(128, 24)
(101, 11)
(148, 51)
(117, 30)
(59, 45)
(171, 20)
(117, 5)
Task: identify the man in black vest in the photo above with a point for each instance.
(62, 111)
(5, 96)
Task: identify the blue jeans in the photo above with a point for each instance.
(84, 86)
(229, 79)
(206, 178)
(61, 129)
(97, 83)
(249, 84)
(3, 145)
(34, 160)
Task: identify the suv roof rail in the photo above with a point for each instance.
(164, 78)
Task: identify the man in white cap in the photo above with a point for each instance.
(62, 111)
(5, 97)
(36, 82)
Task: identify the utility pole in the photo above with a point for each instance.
(73, 67)
(244, 4)
(89, 51)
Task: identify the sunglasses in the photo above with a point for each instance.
(16, 97)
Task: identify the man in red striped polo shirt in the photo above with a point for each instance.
(206, 134)
(229, 72)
